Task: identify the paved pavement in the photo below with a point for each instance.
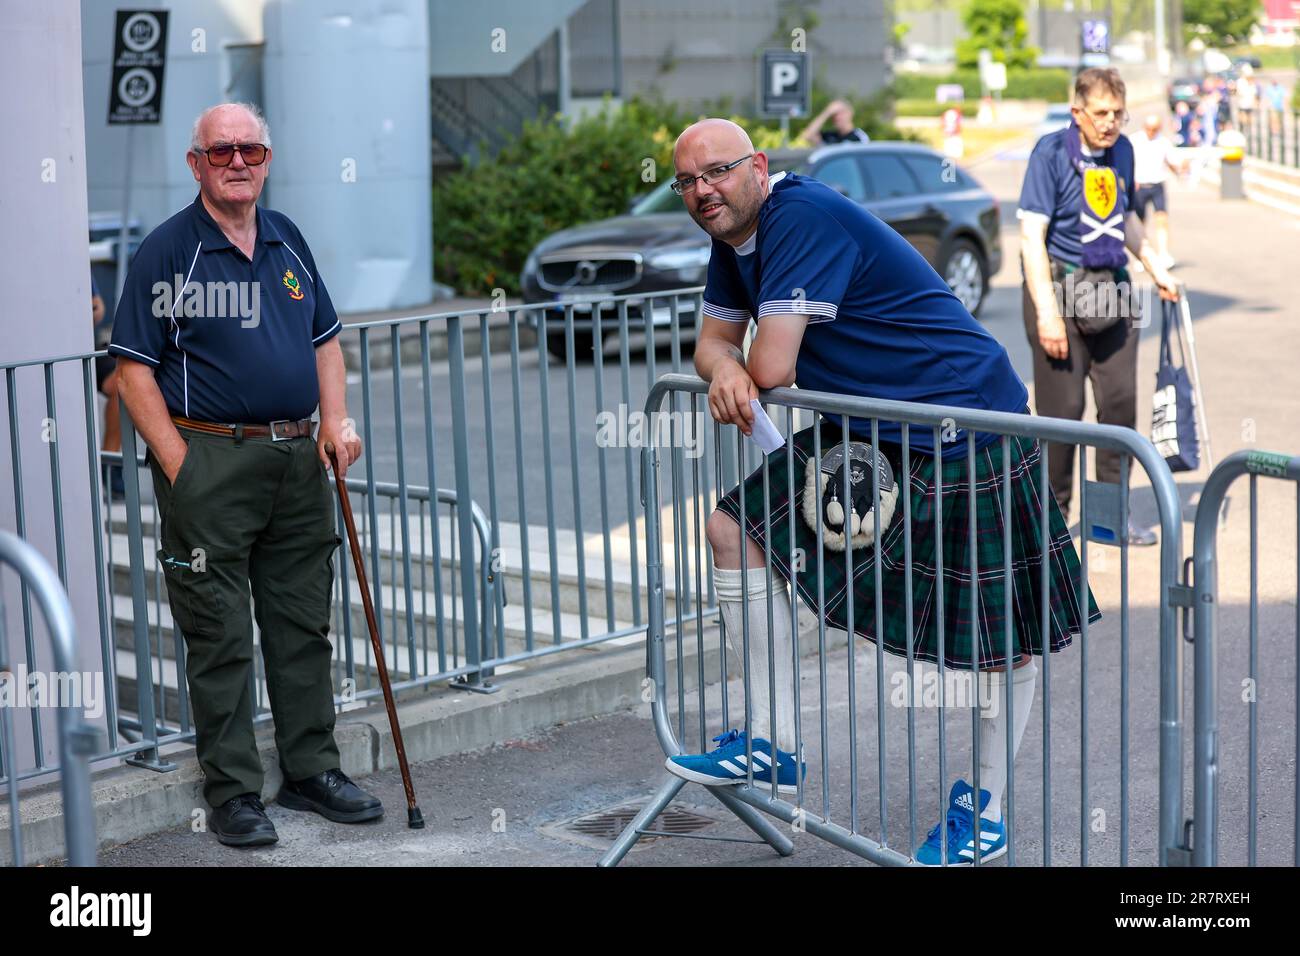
(500, 806)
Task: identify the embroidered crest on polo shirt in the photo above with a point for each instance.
(291, 283)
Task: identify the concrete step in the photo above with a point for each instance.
(391, 611)
(626, 566)
(164, 678)
(436, 721)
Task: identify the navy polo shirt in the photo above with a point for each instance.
(881, 322)
(1054, 188)
(238, 343)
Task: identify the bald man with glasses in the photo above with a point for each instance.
(227, 345)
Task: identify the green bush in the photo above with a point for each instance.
(1035, 84)
(930, 108)
(488, 217)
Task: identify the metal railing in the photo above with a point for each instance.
(77, 740)
(1207, 664)
(529, 548)
(691, 695)
(1273, 135)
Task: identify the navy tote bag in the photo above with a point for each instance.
(1173, 409)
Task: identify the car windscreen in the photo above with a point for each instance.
(660, 199)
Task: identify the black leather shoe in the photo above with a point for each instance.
(333, 796)
(242, 821)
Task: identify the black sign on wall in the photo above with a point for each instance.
(139, 55)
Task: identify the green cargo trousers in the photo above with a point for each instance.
(259, 512)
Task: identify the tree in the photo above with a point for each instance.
(998, 26)
(1220, 22)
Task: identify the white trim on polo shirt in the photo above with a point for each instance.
(726, 314)
(338, 323)
(122, 348)
(185, 364)
(300, 262)
(1030, 215)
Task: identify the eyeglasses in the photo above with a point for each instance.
(224, 153)
(1116, 117)
(711, 177)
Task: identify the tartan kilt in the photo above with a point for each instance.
(958, 615)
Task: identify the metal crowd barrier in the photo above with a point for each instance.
(1207, 664)
(1272, 135)
(529, 547)
(691, 696)
(77, 740)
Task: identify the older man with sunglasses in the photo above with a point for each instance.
(227, 344)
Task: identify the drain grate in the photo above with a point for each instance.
(601, 828)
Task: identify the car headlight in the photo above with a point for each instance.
(694, 257)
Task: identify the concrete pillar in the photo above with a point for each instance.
(45, 312)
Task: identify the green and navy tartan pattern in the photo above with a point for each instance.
(959, 611)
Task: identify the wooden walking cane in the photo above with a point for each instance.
(414, 819)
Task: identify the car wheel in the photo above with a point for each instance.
(966, 275)
(582, 345)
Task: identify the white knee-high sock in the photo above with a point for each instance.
(736, 601)
(993, 728)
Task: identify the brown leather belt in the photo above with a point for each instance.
(276, 431)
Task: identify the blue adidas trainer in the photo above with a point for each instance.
(962, 836)
(725, 765)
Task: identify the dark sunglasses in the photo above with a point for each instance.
(254, 153)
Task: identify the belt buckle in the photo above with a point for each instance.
(275, 436)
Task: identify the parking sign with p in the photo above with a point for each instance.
(785, 86)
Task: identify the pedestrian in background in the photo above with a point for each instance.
(1077, 217)
(1152, 163)
(839, 113)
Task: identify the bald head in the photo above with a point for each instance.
(222, 114)
(722, 136)
(727, 208)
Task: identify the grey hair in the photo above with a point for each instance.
(263, 130)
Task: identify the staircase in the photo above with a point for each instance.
(524, 606)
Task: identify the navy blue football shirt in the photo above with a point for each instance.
(238, 343)
(881, 322)
(1054, 188)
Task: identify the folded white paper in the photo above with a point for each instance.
(765, 434)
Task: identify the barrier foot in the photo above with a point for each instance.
(773, 837)
(663, 796)
(476, 683)
(150, 760)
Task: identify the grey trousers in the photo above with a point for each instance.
(1107, 359)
